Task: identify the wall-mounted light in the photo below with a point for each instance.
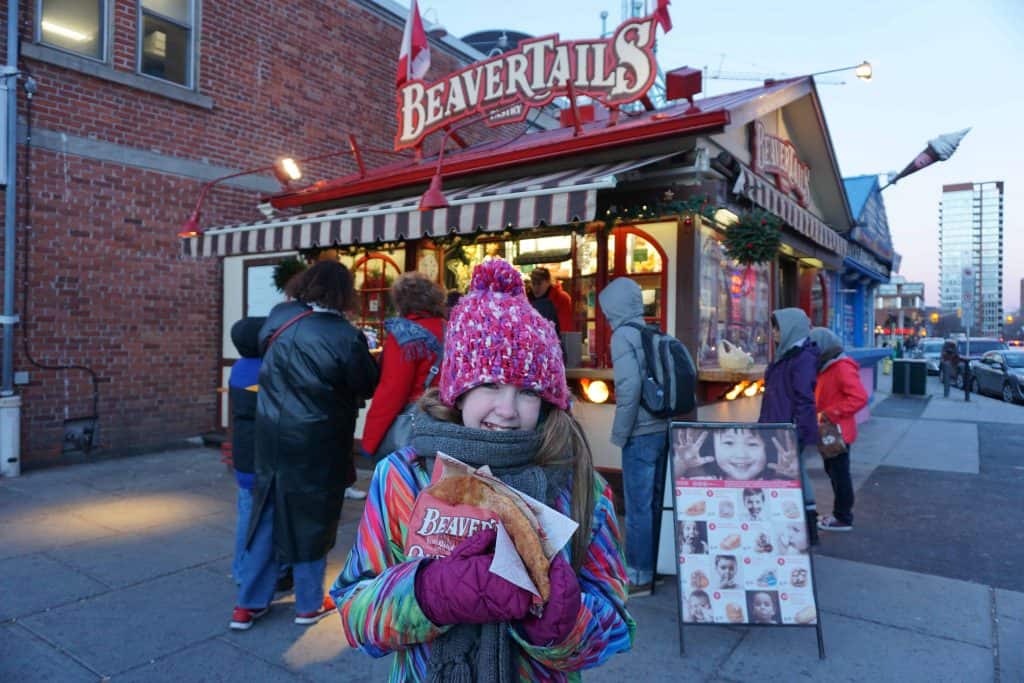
(287, 170)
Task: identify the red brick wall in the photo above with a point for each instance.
(107, 287)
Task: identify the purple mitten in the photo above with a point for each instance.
(460, 589)
(561, 610)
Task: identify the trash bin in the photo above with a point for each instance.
(910, 376)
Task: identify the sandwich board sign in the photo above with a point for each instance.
(742, 544)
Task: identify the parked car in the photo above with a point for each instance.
(931, 351)
(1000, 373)
(979, 347)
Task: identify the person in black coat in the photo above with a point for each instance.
(316, 372)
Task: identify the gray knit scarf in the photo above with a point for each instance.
(467, 653)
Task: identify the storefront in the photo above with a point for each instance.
(647, 195)
(868, 262)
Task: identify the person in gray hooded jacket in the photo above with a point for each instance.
(642, 437)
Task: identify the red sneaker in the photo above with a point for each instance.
(242, 619)
(307, 618)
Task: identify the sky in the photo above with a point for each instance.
(939, 66)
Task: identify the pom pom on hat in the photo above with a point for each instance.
(495, 335)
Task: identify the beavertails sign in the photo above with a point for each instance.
(614, 71)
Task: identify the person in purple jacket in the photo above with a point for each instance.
(789, 393)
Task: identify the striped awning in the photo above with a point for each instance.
(763, 193)
(551, 199)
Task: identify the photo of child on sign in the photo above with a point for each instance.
(734, 453)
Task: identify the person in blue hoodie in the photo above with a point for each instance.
(789, 393)
(243, 383)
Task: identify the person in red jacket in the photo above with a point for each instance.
(412, 348)
(542, 286)
(838, 396)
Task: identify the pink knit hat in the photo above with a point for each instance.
(495, 335)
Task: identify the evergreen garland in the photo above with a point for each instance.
(754, 239)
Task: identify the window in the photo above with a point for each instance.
(73, 25)
(166, 40)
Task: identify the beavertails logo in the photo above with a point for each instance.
(614, 71)
(435, 527)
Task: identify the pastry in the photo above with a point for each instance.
(734, 613)
(791, 509)
(697, 508)
(519, 521)
(725, 509)
(698, 580)
(731, 542)
(798, 577)
(807, 615)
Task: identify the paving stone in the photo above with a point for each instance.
(211, 661)
(856, 651)
(146, 510)
(23, 657)
(126, 628)
(132, 557)
(49, 583)
(907, 600)
(25, 535)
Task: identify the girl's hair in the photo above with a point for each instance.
(415, 292)
(562, 444)
(327, 284)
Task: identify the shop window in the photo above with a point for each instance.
(814, 296)
(73, 25)
(735, 304)
(166, 40)
(374, 274)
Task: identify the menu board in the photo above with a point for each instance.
(741, 536)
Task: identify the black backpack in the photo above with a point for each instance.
(670, 387)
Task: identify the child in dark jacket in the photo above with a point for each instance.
(789, 393)
(243, 383)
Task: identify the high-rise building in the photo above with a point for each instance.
(971, 234)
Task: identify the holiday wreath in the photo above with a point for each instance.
(755, 238)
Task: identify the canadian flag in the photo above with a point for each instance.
(414, 58)
(662, 17)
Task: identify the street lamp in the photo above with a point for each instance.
(862, 71)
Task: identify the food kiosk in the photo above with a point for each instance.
(620, 189)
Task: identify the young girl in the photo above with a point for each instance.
(839, 396)
(502, 401)
(736, 454)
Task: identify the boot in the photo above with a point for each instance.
(811, 515)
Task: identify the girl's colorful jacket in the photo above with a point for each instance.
(379, 612)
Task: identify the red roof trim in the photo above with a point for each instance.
(476, 160)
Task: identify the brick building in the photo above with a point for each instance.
(138, 104)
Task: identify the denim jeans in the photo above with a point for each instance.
(244, 511)
(838, 470)
(259, 570)
(644, 459)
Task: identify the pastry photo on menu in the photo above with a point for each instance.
(691, 502)
(724, 536)
(794, 572)
(695, 572)
(726, 504)
(729, 607)
(798, 607)
(760, 573)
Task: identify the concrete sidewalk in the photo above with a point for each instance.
(119, 570)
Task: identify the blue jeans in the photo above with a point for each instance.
(644, 460)
(259, 571)
(244, 508)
